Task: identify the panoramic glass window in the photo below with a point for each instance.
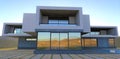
(58, 20)
(63, 21)
(92, 33)
(74, 41)
(90, 42)
(87, 43)
(63, 40)
(53, 21)
(17, 31)
(93, 43)
(111, 42)
(54, 40)
(43, 42)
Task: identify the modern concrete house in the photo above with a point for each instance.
(58, 29)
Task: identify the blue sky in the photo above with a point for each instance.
(102, 12)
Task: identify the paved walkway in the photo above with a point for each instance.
(28, 54)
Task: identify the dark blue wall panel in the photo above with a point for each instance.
(103, 42)
(24, 44)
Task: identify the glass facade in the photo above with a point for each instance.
(89, 42)
(18, 31)
(74, 40)
(65, 41)
(93, 33)
(47, 40)
(43, 42)
(54, 40)
(111, 42)
(58, 22)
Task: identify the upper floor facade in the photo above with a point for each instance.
(55, 19)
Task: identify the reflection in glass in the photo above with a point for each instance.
(43, 40)
(53, 21)
(92, 33)
(90, 43)
(54, 40)
(87, 42)
(74, 41)
(63, 21)
(63, 40)
(58, 22)
(111, 42)
(93, 43)
(18, 31)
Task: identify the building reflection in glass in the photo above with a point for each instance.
(90, 42)
(54, 40)
(43, 42)
(74, 41)
(111, 43)
(63, 40)
(47, 40)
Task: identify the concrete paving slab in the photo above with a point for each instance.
(103, 56)
(66, 56)
(11, 56)
(74, 56)
(116, 55)
(84, 57)
(47, 56)
(110, 56)
(38, 56)
(29, 56)
(93, 56)
(56, 56)
(18, 56)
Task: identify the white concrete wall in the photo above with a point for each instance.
(86, 23)
(29, 22)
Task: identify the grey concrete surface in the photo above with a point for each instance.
(56, 56)
(28, 54)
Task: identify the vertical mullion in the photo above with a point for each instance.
(50, 40)
(59, 40)
(68, 40)
(81, 39)
(114, 42)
